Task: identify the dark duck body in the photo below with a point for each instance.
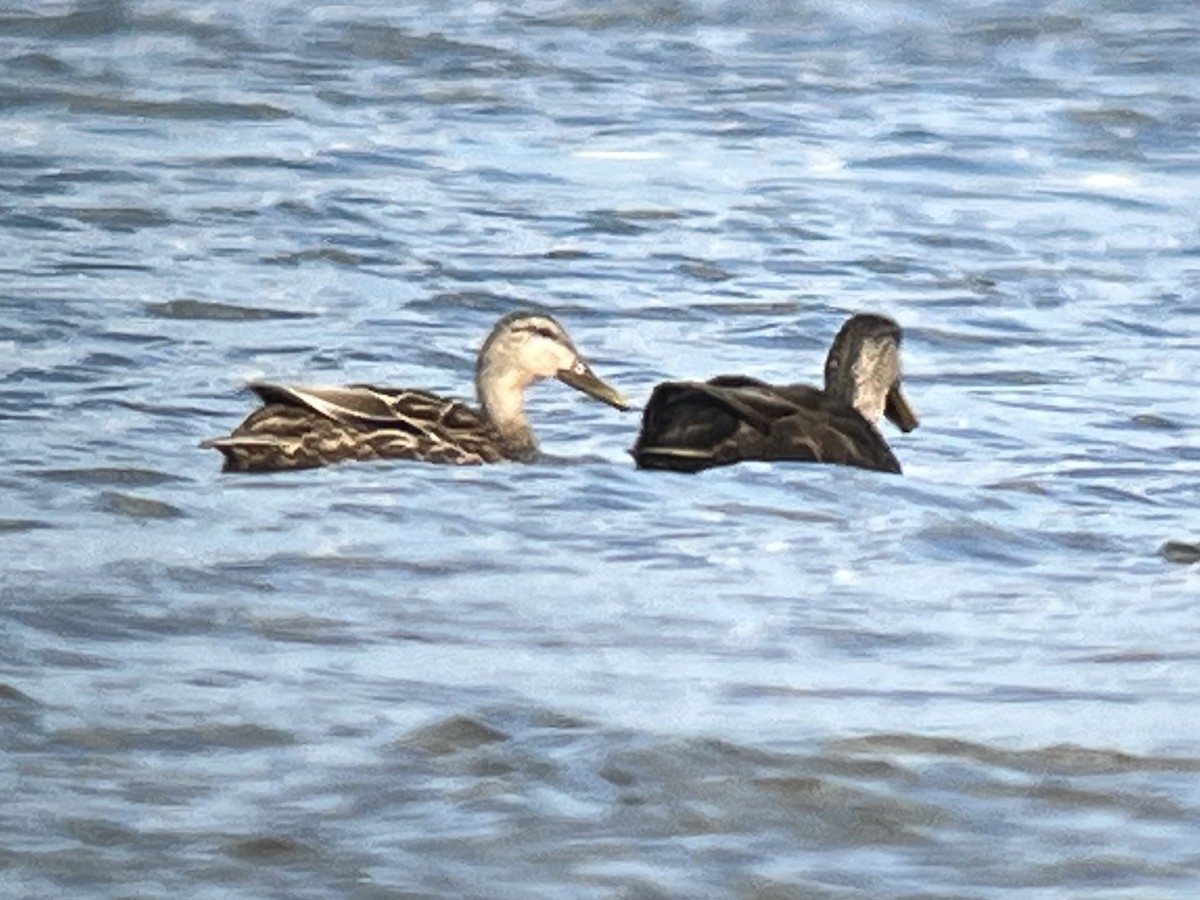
(692, 425)
(303, 427)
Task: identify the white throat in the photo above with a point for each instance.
(502, 396)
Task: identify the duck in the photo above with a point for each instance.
(688, 426)
(304, 427)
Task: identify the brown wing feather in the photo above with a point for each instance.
(689, 426)
(305, 427)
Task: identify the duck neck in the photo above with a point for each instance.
(852, 377)
(502, 397)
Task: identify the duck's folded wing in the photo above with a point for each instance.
(754, 402)
(690, 425)
(829, 434)
(350, 405)
(368, 406)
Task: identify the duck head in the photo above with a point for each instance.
(526, 347)
(863, 370)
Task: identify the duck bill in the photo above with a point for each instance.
(898, 411)
(581, 377)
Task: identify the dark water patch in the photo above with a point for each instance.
(1139, 657)
(253, 353)
(996, 378)
(205, 310)
(492, 175)
(72, 178)
(28, 222)
(127, 477)
(314, 630)
(1139, 327)
(1183, 552)
(601, 222)
(99, 832)
(849, 815)
(756, 307)
(1037, 694)
(118, 219)
(1111, 201)
(19, 525)
(141, 339)
(626, 222)
(37, 64)
(271, 850)
(222, 679)
(1110, 494)
(1020, 485)
(1071, 797)
(56, 376)
(273, 163)
(452, 735)
(103, 361)
(704, 270)
(1029, 29)
(698, 788)
(740, 509)
(871, 644)
(88, 267)
(1106, 872)
(188, 110)
(1152, 421)
(215, 738)
(933, 162)
(130, 612)
(668, 15)
(847, 695)
(88, 20)
(136, 507)
(335, 255)
(890, 265)
(1058, 759)
(300, 211)
(435, 55)
(71, 660)
(446, 302)
(414, 159)
(1110, 118)
(944, 241)
(958, 339)
(367, 511)
(571, 254)
(21, 721)
(19, 162)
(349, 565)
(13, 699)
(647, 214)
(971, 539)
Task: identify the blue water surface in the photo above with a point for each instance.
(574, 678)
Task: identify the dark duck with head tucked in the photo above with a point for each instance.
(303, 427)
(692, 425)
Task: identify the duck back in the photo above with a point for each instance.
(688, 426)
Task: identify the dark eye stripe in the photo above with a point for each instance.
(544, 330)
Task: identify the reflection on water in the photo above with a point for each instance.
(574, 678)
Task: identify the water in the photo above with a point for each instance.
(574, 679)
